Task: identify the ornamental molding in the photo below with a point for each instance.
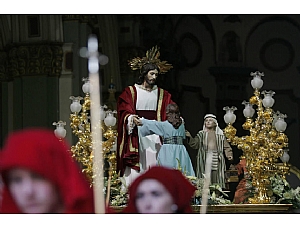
(3, 68)
(81, 18)
(31, 60)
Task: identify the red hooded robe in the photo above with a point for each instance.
(40, 151)
(178, 185)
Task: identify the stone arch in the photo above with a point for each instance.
(230, 49)
(5, 31)
(204, 19)
(281, 18)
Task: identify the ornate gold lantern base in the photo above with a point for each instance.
(265, 142)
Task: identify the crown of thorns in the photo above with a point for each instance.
(152, 56)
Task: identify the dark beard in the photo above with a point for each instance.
(151, 83)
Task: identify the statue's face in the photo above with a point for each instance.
(210, 123)
(151, 77)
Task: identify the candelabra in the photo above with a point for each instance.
(266, 141)
(81, 127)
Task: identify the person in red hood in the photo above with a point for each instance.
(160, 190)
(40, 175)
(1, 189)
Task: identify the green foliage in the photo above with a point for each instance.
(215, 196)
(280, 191)
(283, 193)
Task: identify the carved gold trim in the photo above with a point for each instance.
(131, 148)
(132, 93)
(75, 17)
(245, 208)
(123, 137)
(161, 94)
(90, 19)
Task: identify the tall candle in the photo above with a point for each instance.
(93, 65)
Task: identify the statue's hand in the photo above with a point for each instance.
(137, 120)
(187, 134)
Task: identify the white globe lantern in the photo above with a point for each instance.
(248, 110)
(110, 120)
(285, 156)
(280, 124)
(75, 105)
(257, 82)
(229, 117)
(268, 100)
(86, 85)
(60, 131)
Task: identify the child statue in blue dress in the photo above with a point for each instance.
(172, 153)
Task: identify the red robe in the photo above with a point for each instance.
(40, 151)
(128, 145)
(240, 195)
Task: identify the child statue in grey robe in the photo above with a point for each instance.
(211, 140)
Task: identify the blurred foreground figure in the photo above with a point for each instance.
(160, 190)
(40, 176)
(1, 189)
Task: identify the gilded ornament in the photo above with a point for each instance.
(264, 145)
(253, 100)
(152, 56)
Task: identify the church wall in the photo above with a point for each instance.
(232, 46)
(76, 31)
(31, 66)
(212, 56)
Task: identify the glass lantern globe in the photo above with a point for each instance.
(110, 120)
(86, 85)
(60, 131)
(229, 117)
(280, 124)
(285, 156)
(268, 100)
(248, 110)
(75, 105)
(257, 82)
